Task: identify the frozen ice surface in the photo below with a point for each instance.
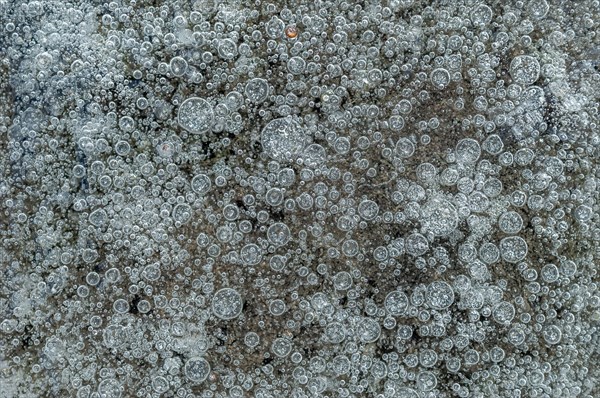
(324, 199)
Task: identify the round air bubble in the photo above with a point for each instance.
(524, 156)
(497, 354)
(416, 245)
(462, 283)
(478, 202)
(380, 253)
(182, 213)
(109, 388)
(257, 90)
(227, 49)
(489, 253)
(277, 263)
(492, 187)
(504, 313)
(44, 60)
(296, 65)
(368, 209)
(144, 306)
(305, 201)
(536, 378)
(554, 166)
(468, 151)
(342, 145)
(481, 15)
(251, 339)
(286, 177)
(78, 171)
(342, 280)
(404, 106)
(121, 306)
(493, 144)
(122, 148)
(283, 139)
(550, 273)
(426, 381)
(201, 184)
(525, 70)
(428, 358)
(281, 347)
(98, 217)
(274, 197)
(396, 303)
(245, 226)
(583, 213)
(440, 295)
(165, 149)
(278, 234)
(440, 78)
(251, 254)
(320, 302)
(197, 369)
(513, 249)
(538, 9)
(274, 28)
(449, 176)
(234, 100)
(471, 357)
(151, 272)
(453, 364)
(224, 233)
(196, 115)
(350, 248)
(114, 336)
(314, 155)
(341, 365)
(160, 384)
(335, 332)
(231, 212)
(277, 307)
(472, 299)
(552, 334)
(178, 66)
(127, 124)
(405, 332)
(439, 216)
(346, 223)
(396, 122)
(465, 185)
(478, 270)
(112, 275)
(368, 330)
(227, 304)
(510, 222)
(568, 268)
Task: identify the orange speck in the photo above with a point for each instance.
(291, 32)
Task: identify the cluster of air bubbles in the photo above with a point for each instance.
(340, 199)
